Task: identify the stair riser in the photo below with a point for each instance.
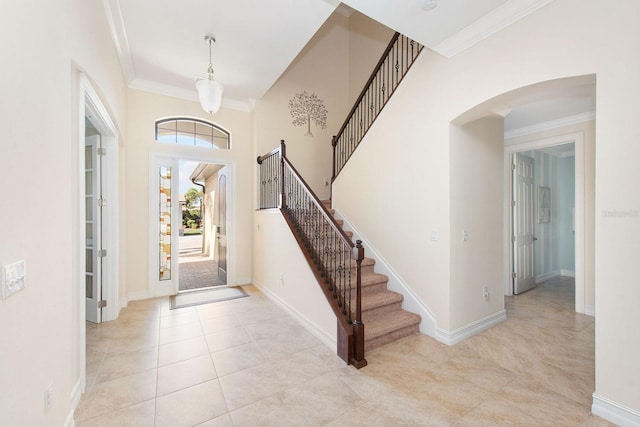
(370, 289)
(374, 313)
(370, 344)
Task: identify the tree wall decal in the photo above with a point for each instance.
(304, 108)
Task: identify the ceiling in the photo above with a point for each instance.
(162, 49)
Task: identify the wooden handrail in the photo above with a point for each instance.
(394, 63)
(346, 239)
(329, 251)
(369, 80)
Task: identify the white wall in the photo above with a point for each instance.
(281, 271)
(565, 38)
(144, 109)
(42, 44)
(476, 208)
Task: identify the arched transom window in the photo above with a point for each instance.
(194, 132)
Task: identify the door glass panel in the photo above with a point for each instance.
(88, 182)
(88, 157)
(165, 223)
(89, 286)
(89, 233)
(89, 260)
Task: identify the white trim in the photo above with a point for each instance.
(546, 276)
(310, 326)
(567, 273)
(590, 310)
(90, 104)
(411, 301)
(120, 39)
(471, 329)
(156, 288)
(499, 18)
(76, 394)
(580, 189)
(191, 95)
(551, 124)
(614, 412)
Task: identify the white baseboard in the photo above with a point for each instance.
(76, 394)
(138, 295)
(411, 301)
(590, 310)
(546, 276)
(567, 273)
(464, 332)
(309, 325)
(614, 412)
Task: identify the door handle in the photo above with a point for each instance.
(535, 238)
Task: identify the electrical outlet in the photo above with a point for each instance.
(13, 278)
(282, 279)
(485, 293)
(48, 397)
(465, 235)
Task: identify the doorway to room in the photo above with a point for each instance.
(543, 184)
(559, 226)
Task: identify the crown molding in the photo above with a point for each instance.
(552, 124)
(191, 95)
(120, 39)
(499, 18)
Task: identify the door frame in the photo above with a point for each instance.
(577, 138)
(154, 290)
(90, 105)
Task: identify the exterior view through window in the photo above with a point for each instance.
(193, 132)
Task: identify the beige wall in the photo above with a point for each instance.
(367, 41)
(42, 45)
(476, 207)
(321, 68)
(144, 109)
(565, 38)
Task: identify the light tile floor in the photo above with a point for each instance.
(245, 362)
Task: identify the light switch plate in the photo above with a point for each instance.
(13, 276)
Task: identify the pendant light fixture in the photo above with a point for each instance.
(209, 90)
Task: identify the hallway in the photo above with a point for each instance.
(246, 362)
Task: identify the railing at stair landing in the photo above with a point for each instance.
(332, 256)
(395, 62)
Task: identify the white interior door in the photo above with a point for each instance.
(523, 225)
(93, 226)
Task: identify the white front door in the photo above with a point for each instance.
(523, 225)
(93, 226)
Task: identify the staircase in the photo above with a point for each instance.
(382, 314)
(368, 314)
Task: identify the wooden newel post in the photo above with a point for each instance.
(283, 154)
(358, 360)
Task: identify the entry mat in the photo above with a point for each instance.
(205, 296)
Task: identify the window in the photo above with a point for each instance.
(194, 132)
